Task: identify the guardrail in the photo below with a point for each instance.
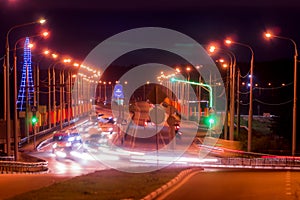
(279, 163)
(23, 167)
(7, 165)
(7, 158)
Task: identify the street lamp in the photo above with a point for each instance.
(54, 56)
(62, 99)
(7, 86)
(250, 115)
(232, 59)
(269, 35)
(61, 89)
(188, 69)
(16, 97)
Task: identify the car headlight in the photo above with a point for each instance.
(61, 154)
(68, 144)
(78, 138)
(54, 145)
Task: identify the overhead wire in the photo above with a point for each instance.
(273, 104)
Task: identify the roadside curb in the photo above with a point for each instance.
(171, 183)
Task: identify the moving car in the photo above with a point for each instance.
(64, 142)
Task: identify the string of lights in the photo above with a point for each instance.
(275, 88)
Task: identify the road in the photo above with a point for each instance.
(238, 184)
(107, 150)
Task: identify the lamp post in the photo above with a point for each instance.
(61, 89)
(15, 98)
(228, 78)
(250, 115)
(269, 35)
(70, 83)
(54, 56)
(7, 86)
(44, 34)
(188, 69)
(232, 67)
(62, 95)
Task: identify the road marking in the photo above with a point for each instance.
(178, 185)
(288, 183)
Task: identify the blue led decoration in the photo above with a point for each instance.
(21, 103)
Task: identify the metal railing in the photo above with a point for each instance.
(274, 163)
(23, 167)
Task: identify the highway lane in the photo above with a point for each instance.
(237, 185)
(101, 153)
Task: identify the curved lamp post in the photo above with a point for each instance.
(232, 58)
(269, 35)
(15, 96)
(250, 115)
(7, 89)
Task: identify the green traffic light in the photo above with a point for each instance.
(210, 121)
(34, 120)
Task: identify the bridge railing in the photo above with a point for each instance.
(23, 167)
(276, 162)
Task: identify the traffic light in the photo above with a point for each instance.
(210, 120)
(34, 120)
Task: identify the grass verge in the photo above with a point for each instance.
(107, 184)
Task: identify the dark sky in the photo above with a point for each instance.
(77, 26)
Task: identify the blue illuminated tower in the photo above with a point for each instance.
(26, 80)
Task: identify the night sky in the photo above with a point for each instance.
(77, 26)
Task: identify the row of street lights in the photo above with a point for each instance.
(250, 114)
(232, 76)
(91, 77)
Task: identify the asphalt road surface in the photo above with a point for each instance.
(239, 185)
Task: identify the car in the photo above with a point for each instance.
(105, 119)
(107, 127)
(64, 142)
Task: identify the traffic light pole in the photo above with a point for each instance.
(34, 137)
(206, 86)
(34, 121)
